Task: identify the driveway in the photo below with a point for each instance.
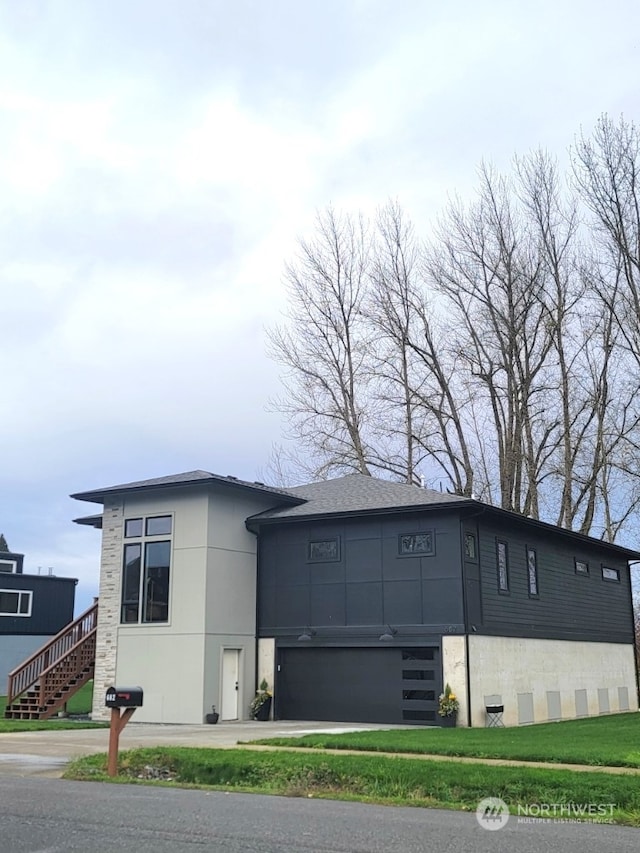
(46, 753)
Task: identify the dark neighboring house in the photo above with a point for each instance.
(357, 599)
(33, 608)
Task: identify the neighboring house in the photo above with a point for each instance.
(357, 599)
(33, 608)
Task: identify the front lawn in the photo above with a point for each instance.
(610, 740)
(370, 778)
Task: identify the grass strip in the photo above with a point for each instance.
(600, 741)
(368, 778)
(79, 703)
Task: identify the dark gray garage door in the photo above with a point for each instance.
(359, 685)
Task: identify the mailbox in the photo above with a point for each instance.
(123, 697)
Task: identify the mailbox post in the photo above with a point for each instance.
(123, 701)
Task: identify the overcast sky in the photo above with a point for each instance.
(158, 160)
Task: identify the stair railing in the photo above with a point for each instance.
(67, 653)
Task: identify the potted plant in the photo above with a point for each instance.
(213, 717)
(448, 707)
(260, 707)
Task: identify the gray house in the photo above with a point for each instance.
(357, 599)
(33, 608)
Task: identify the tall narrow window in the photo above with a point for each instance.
(532, 572)
(502, 556)
(146, 571)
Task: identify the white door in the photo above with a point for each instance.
(230, 678)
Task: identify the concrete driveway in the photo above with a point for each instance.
(46, 753)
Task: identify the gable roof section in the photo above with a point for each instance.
(355, 494)
(189, 478)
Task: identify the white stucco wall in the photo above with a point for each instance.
(212, 605)
(454, 671)
(544, 676)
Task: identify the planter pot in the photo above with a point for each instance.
(212, 718)
(264, 711)
(449, 722)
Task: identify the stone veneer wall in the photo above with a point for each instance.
(108, 606)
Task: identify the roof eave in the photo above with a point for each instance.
(99, 495)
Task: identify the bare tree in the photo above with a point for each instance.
(325, 346)
(389, 310)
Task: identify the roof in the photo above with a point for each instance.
(357, 493)
(188, 478)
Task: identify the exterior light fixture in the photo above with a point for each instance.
(306, 635)
(389, 634)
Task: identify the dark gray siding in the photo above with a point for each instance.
(370, 586)
(569, 605)
(51, 608)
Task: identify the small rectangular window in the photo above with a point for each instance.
(469, 546)
(324, 551)
(418, 674)
(418, 654)
(610, 574)
(15, 602)
(8, 566)
(419, 695)
(532, 572)
(132, 527)
(159, 526)
(416, 543)
(427, 716)
(502, 555)
(581, 567)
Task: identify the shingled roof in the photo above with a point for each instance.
(357, 493)
(188, 478)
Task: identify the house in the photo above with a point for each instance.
(33, 608)
(357, 599)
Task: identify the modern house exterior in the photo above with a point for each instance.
(33, 608)
(357, 599)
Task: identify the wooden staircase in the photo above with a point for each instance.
(43, 684)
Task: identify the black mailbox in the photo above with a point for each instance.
(123, 697)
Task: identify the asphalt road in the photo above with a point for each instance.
(54, 816)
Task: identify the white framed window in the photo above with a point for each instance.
(8, 567)
(15, 602)
(146, 570)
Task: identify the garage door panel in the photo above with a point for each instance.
(358, 685)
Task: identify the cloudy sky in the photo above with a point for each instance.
(158, 160)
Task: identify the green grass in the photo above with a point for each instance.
(368, 778)
(612, 740)
(80, 703)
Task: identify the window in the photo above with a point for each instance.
(324, 551)
(132, 527)
(503, 566)
(581, 567)
(146, 570)
(8, 566)
(415, 543)
(532, 572)
(15, 602)
(610, 574)
(469, 546)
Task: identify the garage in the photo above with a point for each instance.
(392, 685)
